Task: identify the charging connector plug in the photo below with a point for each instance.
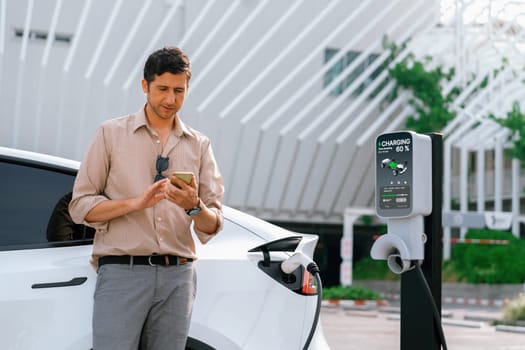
(313, 268)
(289, 265)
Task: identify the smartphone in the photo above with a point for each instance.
(184, 176)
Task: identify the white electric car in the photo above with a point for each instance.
(244, 301)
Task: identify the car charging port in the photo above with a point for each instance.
(292, 281)
(288, 278)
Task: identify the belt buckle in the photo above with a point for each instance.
(149, 261)
(182, 261)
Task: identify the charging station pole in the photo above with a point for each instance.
(418, 328)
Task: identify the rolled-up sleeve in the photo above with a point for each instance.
(211, 190)
(90, 182)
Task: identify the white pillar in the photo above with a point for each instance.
(498, 176)
(480, 174)
(463, 185)
(516, 190)
(347, 243)
(447, 194)
(347, 250)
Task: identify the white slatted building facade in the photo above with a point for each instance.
(291, 92)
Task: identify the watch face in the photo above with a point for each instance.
(193, 211)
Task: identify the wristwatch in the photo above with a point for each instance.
(195, 210)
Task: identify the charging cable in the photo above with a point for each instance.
(288, 266)
(437, 318)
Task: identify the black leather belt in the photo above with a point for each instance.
(152, 260)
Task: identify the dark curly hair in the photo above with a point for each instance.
(168, 59)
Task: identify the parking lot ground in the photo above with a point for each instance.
(465, 328)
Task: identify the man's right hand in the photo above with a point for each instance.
(152, 195)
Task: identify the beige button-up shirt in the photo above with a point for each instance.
(120, 164)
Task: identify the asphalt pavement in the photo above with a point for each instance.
(378, 328)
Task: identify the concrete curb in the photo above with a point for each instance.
(461, 323)
(454, 293)
(444, 320)
(469, 321)
(512, 329)
(458, 301)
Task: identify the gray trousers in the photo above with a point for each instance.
(145, 305)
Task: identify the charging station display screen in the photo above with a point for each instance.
(394, 174)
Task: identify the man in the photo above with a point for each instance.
(125, 188)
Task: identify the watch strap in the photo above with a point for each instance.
(195, 210)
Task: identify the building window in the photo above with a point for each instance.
(339, 66)
(40, 35)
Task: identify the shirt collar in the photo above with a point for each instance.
(180, 129)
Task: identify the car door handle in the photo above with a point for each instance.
(77, 281)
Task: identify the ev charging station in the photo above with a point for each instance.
(409, 173)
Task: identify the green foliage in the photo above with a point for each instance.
(448, 272)
(369, 269)
(485, 82)
(515, 310)
(432, 109)
(515, 122)
(350, 293)
(391, 46)
(483, 263)
(367, 220)
(471, 263)
(394, 50)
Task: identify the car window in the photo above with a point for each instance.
(33, 207)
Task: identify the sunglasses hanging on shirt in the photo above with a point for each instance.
(161, 165)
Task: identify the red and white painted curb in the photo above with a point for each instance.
(459, 301)
(351, 303)
(474, 301)
(396, 297)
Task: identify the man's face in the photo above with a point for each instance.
(165, 94)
